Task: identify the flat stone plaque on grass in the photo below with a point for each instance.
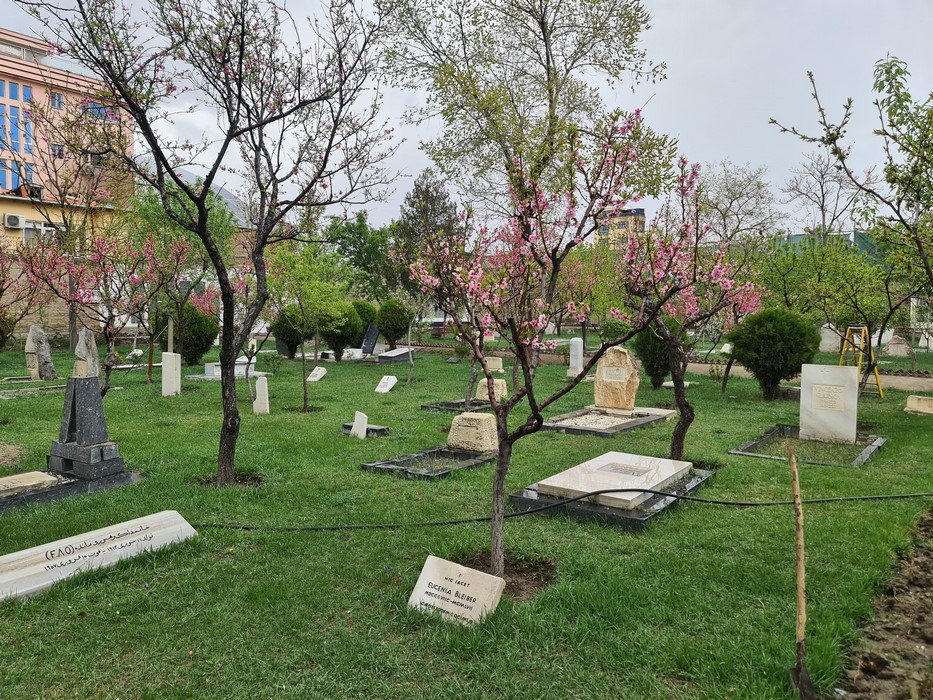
(457, 593)
(386, 384)
(317, 374)
(615, 470)
(29, 481)
(828, 403)
(34, 570)
(919, 404)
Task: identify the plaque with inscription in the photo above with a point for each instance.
(457, 593)
(33, 570)
(829, 397)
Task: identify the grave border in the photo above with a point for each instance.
(396, 465)
(636, 420)
(793, 431)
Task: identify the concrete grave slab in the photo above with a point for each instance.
(392, 357)
(457, 593)
(28, 481)
(919, 404)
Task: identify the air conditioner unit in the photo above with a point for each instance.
(14, 221)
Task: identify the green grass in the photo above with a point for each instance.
(701, 605)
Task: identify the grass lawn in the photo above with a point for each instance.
(701, 605)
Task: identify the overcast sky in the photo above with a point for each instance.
(731, 65)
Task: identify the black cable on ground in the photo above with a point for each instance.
(551, 506)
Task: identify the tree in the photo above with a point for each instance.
(343, 329)
(737, 202)
(823, 194)
(294, 122)
(365, 250)
(393, 321)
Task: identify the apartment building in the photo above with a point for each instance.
(615, 230)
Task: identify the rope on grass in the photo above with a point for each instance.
(551, 506)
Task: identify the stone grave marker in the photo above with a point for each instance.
(87, 362)
(473, 432)
(726, 349)
(171, 374)
(317, 374)
(495, 364)
(500, 388)
(360, 425)
(457, 593)
(39, 355)
(576, 357)
(396, 356)
(28, 481)
(828, 403)
(369, 340)
(829, 338)
(919, 404)
(386, 384)
(261, 402)
(34, 570)
(898, 347)
(616, 470)
(616, 380)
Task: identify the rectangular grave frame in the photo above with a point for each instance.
(629, 420)
(68, 486)
(458, 406)
(400, 465)
(636, 519)
(793, 431)
(371, 430)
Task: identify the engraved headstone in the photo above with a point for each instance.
(39, 355)
(616, 380)
(317, 374)
(360, 425)
(87, 362)
(370, 338)
(457, 593)
(261, 403)
(828, 403)
(473, 432)
(495, 364)
(616, 470)
(898, 347)
(34, 570)
(919, 404)
(576, 357)
(171, 374)
(386, 384)
(500, 388)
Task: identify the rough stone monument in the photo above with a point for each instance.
(84, 449)
(898, 347)
(828, 403)
(473, 432)
(87, 362)
(39, 355)
(616, 380)
(500, 388)
(830, 341)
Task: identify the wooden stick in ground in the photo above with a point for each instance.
(798, 674)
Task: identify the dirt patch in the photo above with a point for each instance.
(9, 454)
(894, 661)
(524, 577)
(241, 479)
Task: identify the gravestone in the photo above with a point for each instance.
(39, 355)
(457, 593)
(495, 364)
(386, 384)
(370, 338)
(83, 448)
(317, 374)
(28, 481)
(726, 349)
(616, 470)
(171, 374)
(396, 356)
(261, 403)
(576, 357)
(87, 362)
(34, 570)
(919, 404)
(360, 425)
(898, 347)
(829, 338)
(473, 432)
(616, 380)
(500, 389)
(828, 403)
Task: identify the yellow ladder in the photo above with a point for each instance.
(854, 345)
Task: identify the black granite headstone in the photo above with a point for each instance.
(83, 449)
(369, 340)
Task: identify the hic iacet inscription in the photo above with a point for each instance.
(457, 593)
(33, 570)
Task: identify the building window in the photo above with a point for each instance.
(58, 151)
(2, 174)
(2, 88)
(27, 136)
(14, 129)
(3, 142)
(56, 100)
(99, 111)
(27, 94)
(30, 171)
(36, 230)
(14, 91)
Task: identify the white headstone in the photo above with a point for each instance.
(576, 357)
(171, 374)
(360, 424)
(474, 432)
(386, 384)
(457, 593)
(33, 570)
(726, 348)
(261, 403)
(919, 404)
(829, 338)
(317, 374)
(495, 364)
(616, 470)
(828, 403)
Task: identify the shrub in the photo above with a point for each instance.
(286, 327)
(649, 347)
(7, 325)
(393, 320)
(343, 329)
(199, 329)
(772, 345)
(612, 329)
(367, 314)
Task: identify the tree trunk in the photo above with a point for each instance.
(583, 330)
(497, 544)
(558, 323)
(304, 369)
(109, 362)
(677, 360)
(725, 374)
(471, 384)
(179, 338)
(230, 429)
(151, 358)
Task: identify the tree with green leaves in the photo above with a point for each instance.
(366, 250)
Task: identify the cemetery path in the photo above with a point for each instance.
(894, 660)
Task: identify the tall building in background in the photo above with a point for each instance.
(614, 230)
